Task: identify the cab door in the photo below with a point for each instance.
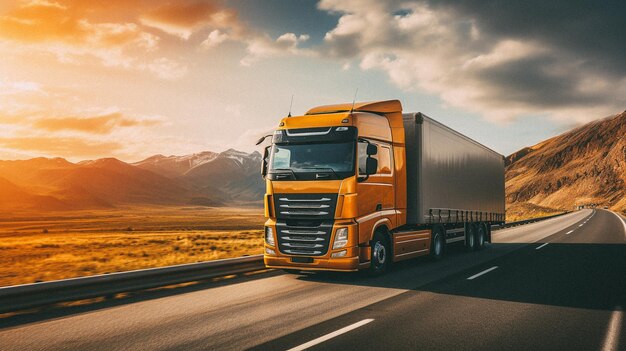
(376, 194)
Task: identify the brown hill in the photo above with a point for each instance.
(57, 184)
(586, 165)
(15, 197)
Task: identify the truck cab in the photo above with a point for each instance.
(332, 180)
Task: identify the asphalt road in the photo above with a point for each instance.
(566, 295)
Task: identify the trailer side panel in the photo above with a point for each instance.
(447, 170)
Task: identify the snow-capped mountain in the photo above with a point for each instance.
(174, 166)
(230, 177)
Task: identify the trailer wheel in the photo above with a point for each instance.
(470, 237)
(481, 236)
(437, 243)
(380, 254)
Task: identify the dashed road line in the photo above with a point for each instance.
(481, 273)
(570, 232)
(539, 247)
(329, 336)
(611, 339)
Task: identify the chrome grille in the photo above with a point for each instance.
(304, 222)
(305, 206)
(306, 239)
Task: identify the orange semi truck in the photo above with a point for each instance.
(361, 185)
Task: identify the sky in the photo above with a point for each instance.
(133, 78)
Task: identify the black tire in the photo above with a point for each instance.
(481, 236)
(470, 237)
(437, 243)
(380, 254)
(291, 271)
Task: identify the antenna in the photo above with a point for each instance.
(290, 104)
(354, 100)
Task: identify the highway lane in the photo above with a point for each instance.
(282, 311)
(566, 295)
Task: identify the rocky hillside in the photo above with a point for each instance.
(586, 165)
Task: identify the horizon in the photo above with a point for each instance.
(129, 80)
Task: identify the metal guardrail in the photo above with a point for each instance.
(20, 297)
(526, 221)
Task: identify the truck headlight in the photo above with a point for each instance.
(341, 238)
(269, 236)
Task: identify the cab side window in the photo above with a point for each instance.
(383, 156)
(362, 156)
(384, 160)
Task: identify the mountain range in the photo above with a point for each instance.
(208, 179)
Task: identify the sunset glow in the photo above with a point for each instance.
(129, 79)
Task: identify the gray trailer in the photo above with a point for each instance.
(451, 179)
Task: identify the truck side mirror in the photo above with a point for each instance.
(265, 161)
(371, 165)
(371, 149)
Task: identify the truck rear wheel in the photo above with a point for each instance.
(470, 237)
(437, 243)
(380, 254)
(481, 236)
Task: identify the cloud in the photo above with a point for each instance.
(262, 47)
(75, 33)
(18, 87)
(66, 146)
(215, 38)
(500, 61)
(43, 21)
(102, 124)
(182, 19)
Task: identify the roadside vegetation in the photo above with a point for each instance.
(524, 210)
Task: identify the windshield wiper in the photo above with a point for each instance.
(324, 169)
(293, 174)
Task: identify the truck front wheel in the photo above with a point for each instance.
(380, 254)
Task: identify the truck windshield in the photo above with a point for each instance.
(336, 159)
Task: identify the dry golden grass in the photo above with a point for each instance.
(524, 210)
(64, 245)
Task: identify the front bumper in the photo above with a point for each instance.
(343, 264)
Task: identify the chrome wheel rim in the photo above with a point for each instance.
(437, 245)
(380, 254)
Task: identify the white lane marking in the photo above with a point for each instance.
(621, 220)
(329, 336)
(539, 247)
(483, 272)
(580, 225)
(570, 232)
(611, 339)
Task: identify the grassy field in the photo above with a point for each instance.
(42, 247)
